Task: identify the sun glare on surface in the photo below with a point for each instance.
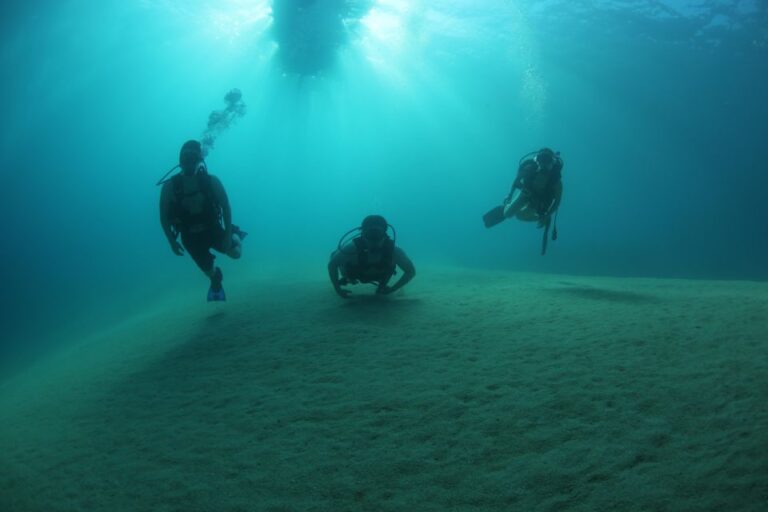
(384, 22)
(231, 20)
(385, 36)
(226, 20)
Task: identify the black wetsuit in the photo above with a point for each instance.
(200, 227)
(541, 192)
(365, 269)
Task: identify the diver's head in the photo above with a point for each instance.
(374, 229)
(545, 158)
(190, 157)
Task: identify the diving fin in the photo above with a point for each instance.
(216, 291)
(216, 295)
(493, 217)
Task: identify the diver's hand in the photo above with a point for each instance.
(176, 247)
(341, 292)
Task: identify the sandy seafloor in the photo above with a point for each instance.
(470, 390)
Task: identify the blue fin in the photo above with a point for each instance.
(216, 295)
(216, 291)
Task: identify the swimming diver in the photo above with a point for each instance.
(541, 190)
(194, 204)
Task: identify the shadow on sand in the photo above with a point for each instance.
(603, 294)
(378, 302)
(235, 396)
(373, 309)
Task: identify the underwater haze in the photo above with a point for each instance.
(417, 110)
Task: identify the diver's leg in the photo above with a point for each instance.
(239, 232)
(528, 214)
(512, 209)
(235, 249)
(198, 247)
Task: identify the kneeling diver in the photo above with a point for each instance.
(371, 257)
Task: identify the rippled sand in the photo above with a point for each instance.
(468, 391)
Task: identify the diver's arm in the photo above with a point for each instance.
(333, 274)
(165, 221)
(165, 206)
(545, 217)
(409, 272)
(523, 170)
(165, 203)
(508, 199)
(517, 184)
(558, 197)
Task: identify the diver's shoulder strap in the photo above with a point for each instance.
(388, 251)
(178, 188)
(362, 254)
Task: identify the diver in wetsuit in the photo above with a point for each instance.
(541, 190)
(194, 204)
(372, 257)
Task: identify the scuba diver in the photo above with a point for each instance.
(370, 257)
(541, 189)
(193, 204)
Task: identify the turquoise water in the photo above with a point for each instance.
(417, 110)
